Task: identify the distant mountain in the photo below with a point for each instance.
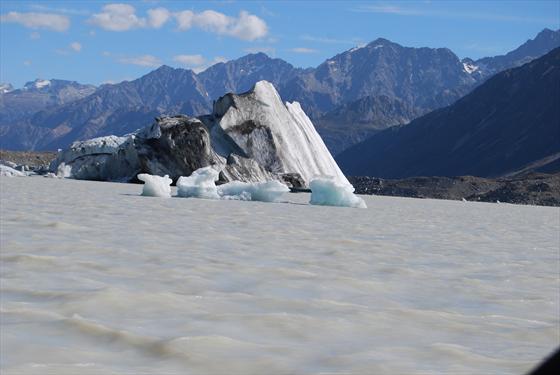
(507, 124)
(363, 118)
(424, 78)
(38, 95)
(544, 42)
(349, 97)
(447, 80)
(240, 75)
(121, 108)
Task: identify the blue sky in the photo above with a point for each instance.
(100, 41)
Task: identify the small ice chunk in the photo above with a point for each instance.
(63, 170)
(6, 171)
(268, 191)
(200, 184)
(156, 186)
(326, 191)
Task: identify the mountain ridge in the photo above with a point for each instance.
(507, 123)
(422, 79)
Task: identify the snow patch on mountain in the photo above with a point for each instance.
(5, 88)
(470, 68)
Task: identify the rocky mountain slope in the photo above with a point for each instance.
(510, 122)
(38, 95)
(544, 42)
(349, 96)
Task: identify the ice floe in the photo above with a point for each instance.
(156, 186)
(326, 191)
(269, 191)
(200, 184)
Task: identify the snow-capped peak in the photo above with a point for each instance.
(37, 84)
(40, 83)
(470, 68)
(5, 87)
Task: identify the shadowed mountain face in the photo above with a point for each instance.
(349, 97)
(510, 122)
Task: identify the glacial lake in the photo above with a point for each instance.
(97, 279)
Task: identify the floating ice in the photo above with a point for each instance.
(6, 171)
(156, 186)
(63, 170)
(200, 184)
(326, 191)
(268, 191)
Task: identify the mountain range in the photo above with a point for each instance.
(350, 96)
(508, 125)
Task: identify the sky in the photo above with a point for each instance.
(107, 42)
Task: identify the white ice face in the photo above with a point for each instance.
(6, 171)
(326, 191)
(156, 186)
(200, 184)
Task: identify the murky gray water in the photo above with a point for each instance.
(96, 279)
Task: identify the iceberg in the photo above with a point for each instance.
(6, 171)
(268, 191)
(200, 184)
(326, 191)
(252, 137)
(156, 186)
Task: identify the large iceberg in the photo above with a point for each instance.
(200, 184)
(327, 191)
(252, 137)
(156, 186)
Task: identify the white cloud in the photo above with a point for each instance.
(246, 27)
(106, 53)
(122, 17)
(117, 17)
(75, 46)
(34, 35)
(27, 63)
(190, 60)
(184, 19)
(158, 17)
(32, 20)
(144, 60)
(303, 50)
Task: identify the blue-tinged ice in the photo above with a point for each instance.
(269, 191)
(200, 184)
(156, 186)
(326, 191)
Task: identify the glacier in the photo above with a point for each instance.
(250, 137)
